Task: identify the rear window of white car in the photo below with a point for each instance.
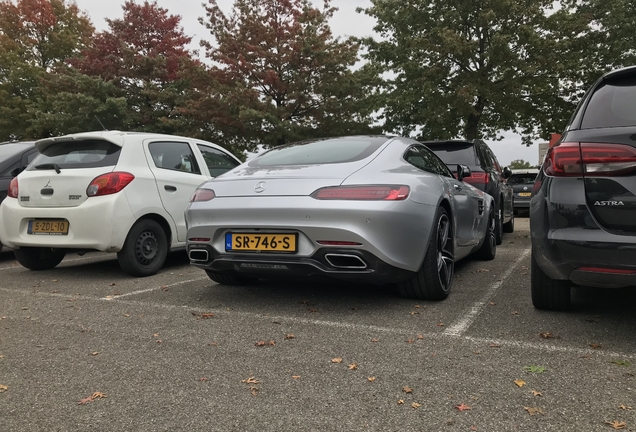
(327, 151)
(77, 154)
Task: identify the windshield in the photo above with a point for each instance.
(328, 151)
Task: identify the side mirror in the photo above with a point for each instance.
(506, 172)
(462, 172)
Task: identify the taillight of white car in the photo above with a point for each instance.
(13, 188)
(108, 184)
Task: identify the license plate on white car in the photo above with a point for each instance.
(48, 227)
(261, 242)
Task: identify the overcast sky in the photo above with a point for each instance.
(346, 22)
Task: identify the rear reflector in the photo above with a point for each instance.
(199, 239)
(606, 270)
(477, 178)
(593, 159)
(108, 184)
(363, 193)
(338, 243)
(202, 195)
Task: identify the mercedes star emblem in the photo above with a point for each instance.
(260, 187)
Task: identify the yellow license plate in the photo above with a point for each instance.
(51, 227)
(525, 194)
(260, 242)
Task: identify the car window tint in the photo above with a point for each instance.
(78, 154)
(175, 156)
(327, 151)
(423, 158)
(484, 157)
(455, 153)
(216, 161)
(517, 179)
(613, 104)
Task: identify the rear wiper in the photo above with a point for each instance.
(54, 166)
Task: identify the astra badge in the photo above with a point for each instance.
(609, 203)
(260, 187)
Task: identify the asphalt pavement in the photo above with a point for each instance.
(86, 347)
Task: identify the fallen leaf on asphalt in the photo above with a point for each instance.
(535, 369)
(473, 428)
(400, 402)
(54, 280)
(476, 352)
(271, 343)
(290, 336)
(254, 391)
(596, 346)
(492, 303)
(25, 308)
(276, 322)
(336, 360)
(126, 315)
(206, 315)
(494, 345)
(94, 353)
(621, 362)
(213, 344)
(250, 380)
(407, 389)
(414, 313)
(113, 284)
(420, 336)
(623, 407)
(375, 340)
(514, 313)
(617, 424)
(462, 407)
(260, 344)
(86, 400)
(353, 366)
(536, 393)
(416, 405)
(164, 288)
(98, 395)
(155, 335)
(483, 270)
(159, 341)
(203, 379)
(440, 324)
(3, 388)
(520, 383)
(313, 310)
(1, 356)
(295, 376)
(410, 341)
(371, 379)
(547, 335)
(416, 306)
(533, 410)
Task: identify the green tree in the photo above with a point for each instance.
(470, 69)
(520, 164)
(284, 74)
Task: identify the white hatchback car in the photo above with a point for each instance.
(111, 191)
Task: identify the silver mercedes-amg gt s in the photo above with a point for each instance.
(374, 209)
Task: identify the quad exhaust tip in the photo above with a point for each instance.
(345, 261)
(198, 255)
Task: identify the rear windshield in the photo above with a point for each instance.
(613, 104)
(77, 154)
(12, 149)
(327, 151)
(455, 154)
(517, 179)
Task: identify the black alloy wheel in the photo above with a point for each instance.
(488, 249)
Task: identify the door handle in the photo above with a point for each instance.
(170, 188)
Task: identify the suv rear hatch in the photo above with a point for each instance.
(60, 174)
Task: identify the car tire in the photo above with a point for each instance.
(145, 249)
(499, 223)
(548, 293)
(39, 258)
(229, 279)
(488, 250)
(509, 226)
(434, 278)
(0, 247)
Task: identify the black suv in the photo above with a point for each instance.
(486, 174)
(583, 206)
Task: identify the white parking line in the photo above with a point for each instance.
(152, 289)
(463, 323)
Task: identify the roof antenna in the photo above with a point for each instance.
(101, 124)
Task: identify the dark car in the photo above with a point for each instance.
(521, 182)
(14, 157)
(583, 207)
(486, 174)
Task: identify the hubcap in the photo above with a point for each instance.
(146, 247)
(445, 260)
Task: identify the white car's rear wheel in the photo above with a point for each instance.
(145, 249)
(39, 258)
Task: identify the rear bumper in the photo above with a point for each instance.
(371, 269)
(568, 244)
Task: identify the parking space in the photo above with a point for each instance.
(176, 351)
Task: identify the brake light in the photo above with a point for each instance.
(363, 193)
(202, 195)
(594, 159)
(13, 188)
(108, 184)
(338, 243)
(477, 178)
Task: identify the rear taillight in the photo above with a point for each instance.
(108, 184)
(363, 193)
(202, 195)
(593, 159)
(477, 178)
(13, 188)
